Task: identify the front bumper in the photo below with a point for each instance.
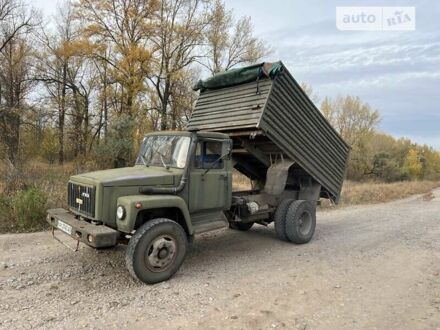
(96, 236)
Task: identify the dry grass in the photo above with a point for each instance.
(51, 179)
(354, 193)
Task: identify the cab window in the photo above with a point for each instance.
(207, 155)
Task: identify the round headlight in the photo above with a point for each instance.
(120, 212)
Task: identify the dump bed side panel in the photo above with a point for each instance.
(232, 108)
(293, 123)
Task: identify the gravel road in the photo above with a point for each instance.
(374, 266)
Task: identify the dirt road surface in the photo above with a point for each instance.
(368, 267)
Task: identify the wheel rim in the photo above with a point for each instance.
(160, 253)
(305, 223)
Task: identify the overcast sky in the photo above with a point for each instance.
(398, 73)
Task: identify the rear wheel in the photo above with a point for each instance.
(243, 226)
(280, 219)
(301, 221)
(156, 251)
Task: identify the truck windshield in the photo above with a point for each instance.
(164, 150)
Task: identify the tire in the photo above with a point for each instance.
(243, 226)
(301, 221)
(280, 219)
(156, 251)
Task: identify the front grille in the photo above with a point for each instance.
(81, 199)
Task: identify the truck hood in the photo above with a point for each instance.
(129, 176)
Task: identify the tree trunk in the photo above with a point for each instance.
(77, 124)
(61, 116)
(85, 134)
(11, 120)
(10, 132)
(105, 105)
(174, 118)
(164, 105)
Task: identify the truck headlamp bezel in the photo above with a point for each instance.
(120, 212)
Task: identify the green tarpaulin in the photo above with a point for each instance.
(240, 76)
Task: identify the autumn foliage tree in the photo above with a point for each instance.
(120, 32)
(356, 122)
(375, 155)
(124, 29)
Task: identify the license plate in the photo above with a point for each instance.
(64, 227)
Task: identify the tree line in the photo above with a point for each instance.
(89, 82)
(376, 155)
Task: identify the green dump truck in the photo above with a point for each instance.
(256, 120)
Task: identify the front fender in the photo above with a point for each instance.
(149, 202)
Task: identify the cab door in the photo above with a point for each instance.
(210, 178)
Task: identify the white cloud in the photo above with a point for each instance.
(397, 73)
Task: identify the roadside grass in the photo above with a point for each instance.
(28, 191)
(356, 193)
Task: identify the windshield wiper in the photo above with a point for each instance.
(163, 162)
(144, 159)
(147, 162)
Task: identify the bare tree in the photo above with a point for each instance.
(53, 66)
(69, 77)
(183, 98)
(230, 42)
(15, 27)
(182, 24)
(15, 18)
(308, 89)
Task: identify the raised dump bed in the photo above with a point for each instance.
(270, 118)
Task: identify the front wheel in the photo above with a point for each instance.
(156, 251)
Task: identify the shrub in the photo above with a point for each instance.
(30, 208)
(7, 222)
(24, 211)
(118, 150)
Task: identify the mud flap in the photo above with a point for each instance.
(277, 176)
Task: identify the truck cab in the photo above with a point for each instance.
(184, 179)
